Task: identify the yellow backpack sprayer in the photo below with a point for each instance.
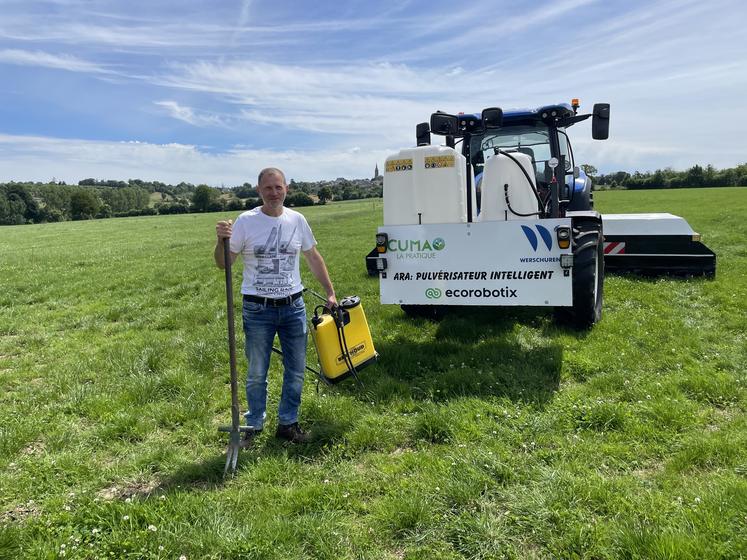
(342, 340)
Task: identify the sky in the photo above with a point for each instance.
(213, 91)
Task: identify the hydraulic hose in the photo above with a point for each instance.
(514, 212)
(531, 184)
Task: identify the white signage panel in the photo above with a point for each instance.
(484, 263)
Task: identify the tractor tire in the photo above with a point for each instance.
(588, 277)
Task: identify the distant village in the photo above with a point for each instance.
(343, 189)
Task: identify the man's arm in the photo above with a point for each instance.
(223, 231)
(319, 270)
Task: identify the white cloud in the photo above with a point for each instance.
(188, 115)
(478, 32)
(72, 31)
(373, 99)
(185, 36)
(673, 70)
(40, 158)
(248, 79)
(47, 60)
(370, 100)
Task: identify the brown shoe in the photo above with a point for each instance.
(249, 437)
(292, 433)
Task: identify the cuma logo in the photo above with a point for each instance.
(433, 293)
(532, 237)
(415, 245)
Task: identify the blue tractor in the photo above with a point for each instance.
(505, 195)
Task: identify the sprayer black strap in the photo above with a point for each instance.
(339, 323)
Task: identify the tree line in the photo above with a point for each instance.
(694, 177)
(30, 203)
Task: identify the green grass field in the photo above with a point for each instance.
(490, 434)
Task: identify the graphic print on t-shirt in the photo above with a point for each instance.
(275, 261)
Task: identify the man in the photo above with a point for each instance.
(270, 238)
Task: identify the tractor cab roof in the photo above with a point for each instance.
(546, 113)
(560, 115)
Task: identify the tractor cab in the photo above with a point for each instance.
(539, 134)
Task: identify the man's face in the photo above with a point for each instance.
(272, 189)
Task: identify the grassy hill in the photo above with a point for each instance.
(490, 434)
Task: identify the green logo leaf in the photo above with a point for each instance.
(438, 244)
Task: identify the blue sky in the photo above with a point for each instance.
(212, 91)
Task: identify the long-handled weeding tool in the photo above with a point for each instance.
(232, 455)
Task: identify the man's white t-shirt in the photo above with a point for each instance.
(270, 247)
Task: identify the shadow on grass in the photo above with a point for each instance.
(653, 276)
(476, 351)
(207, 474)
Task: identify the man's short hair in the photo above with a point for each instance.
(270, 171)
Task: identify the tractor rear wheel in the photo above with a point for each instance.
(588, 276)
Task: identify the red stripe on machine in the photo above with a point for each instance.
(614, 247)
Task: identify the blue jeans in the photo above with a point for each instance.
(260, 325)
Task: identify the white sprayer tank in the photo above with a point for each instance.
(499, 171)
(425, 185)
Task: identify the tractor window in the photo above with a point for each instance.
(565, 149)
(532, 140)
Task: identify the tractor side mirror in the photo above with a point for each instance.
(492, 117)
(600, 121)
(444, 124)
(423, 134)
